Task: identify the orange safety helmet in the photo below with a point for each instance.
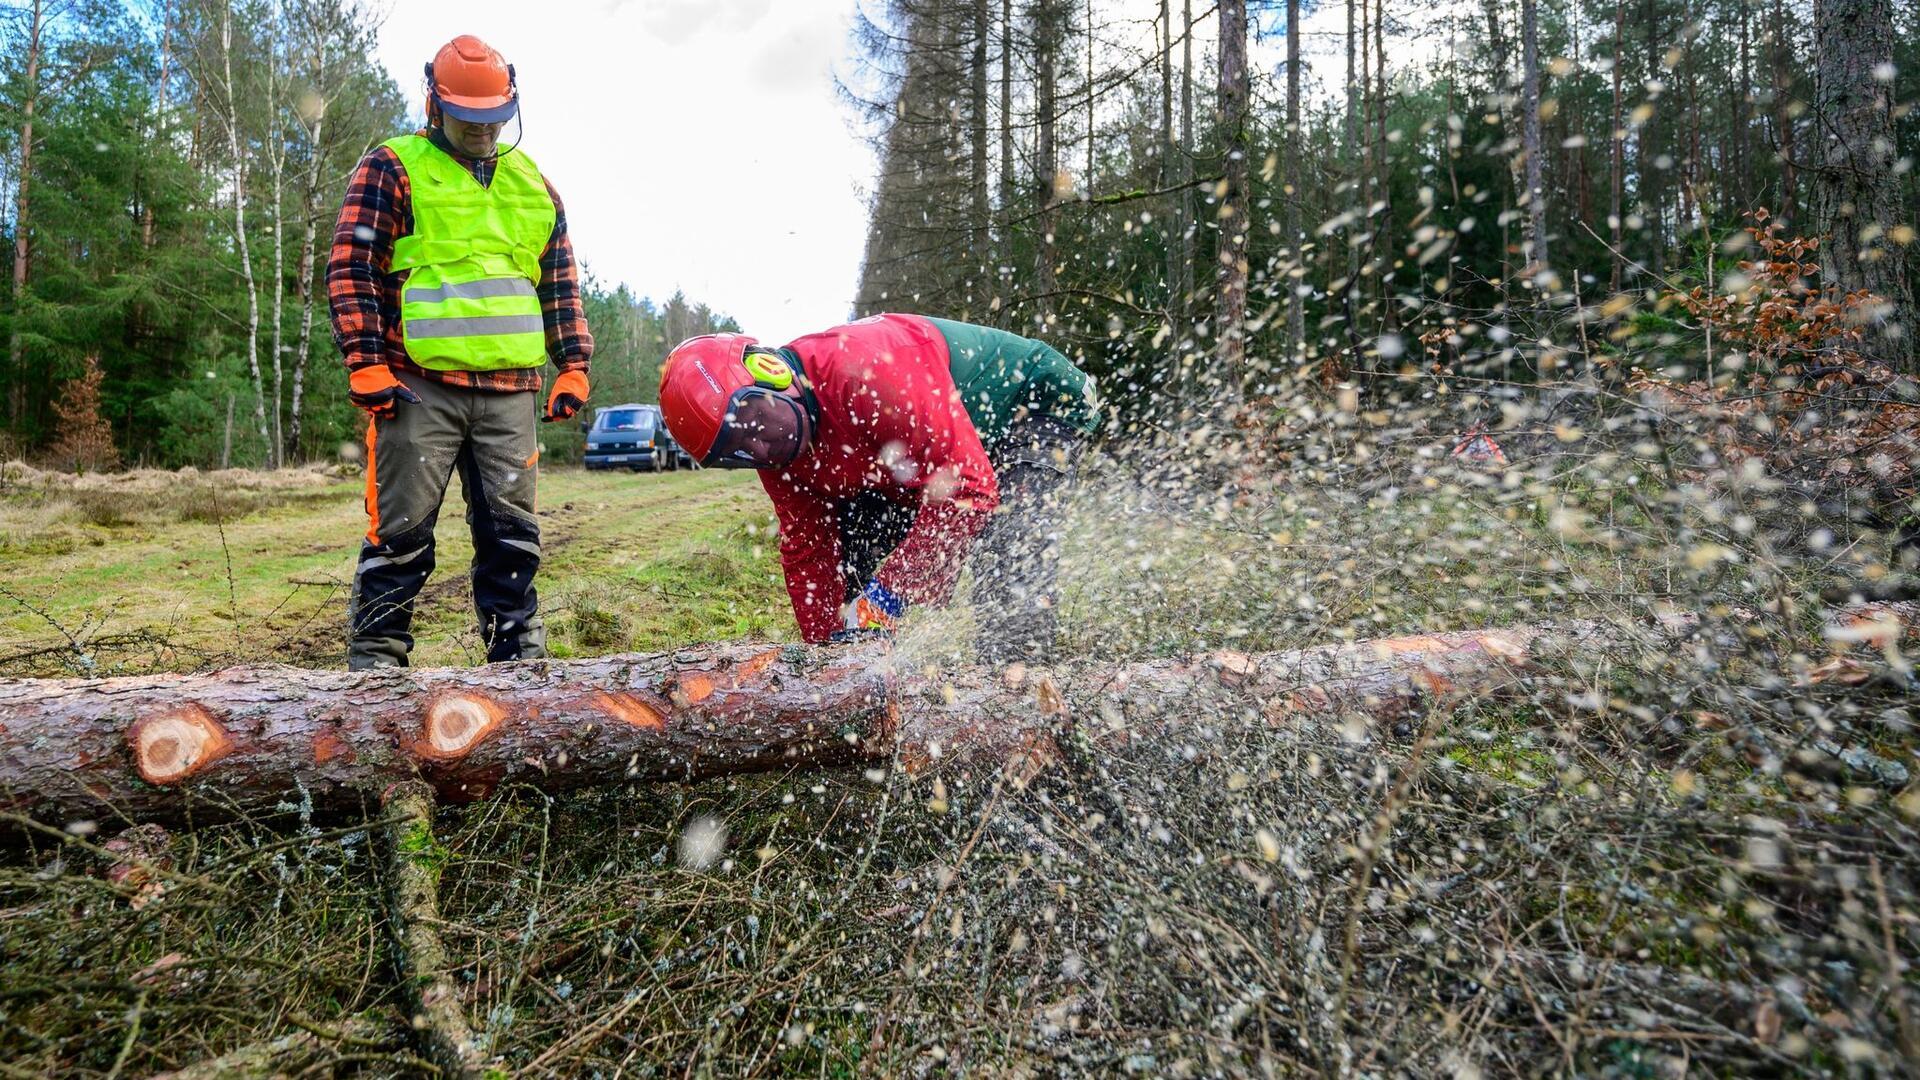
(469, 80)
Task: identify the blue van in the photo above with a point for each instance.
(631, 437)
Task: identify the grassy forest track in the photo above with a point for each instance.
(190, 573)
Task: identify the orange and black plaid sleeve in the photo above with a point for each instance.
(360, 292)
(363, 293)
(569, 342)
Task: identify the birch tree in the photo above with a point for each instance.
(1536, 195)
(334, 37)
(224, 98)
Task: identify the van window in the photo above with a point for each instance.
(624, 420)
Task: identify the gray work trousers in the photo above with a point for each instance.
(489, 439)
(1016, 567)
(1016, 562)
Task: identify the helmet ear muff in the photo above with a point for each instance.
(769, 369)
(433, 96)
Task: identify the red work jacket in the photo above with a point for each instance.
(890, 421)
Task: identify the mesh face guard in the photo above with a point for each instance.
(765, 438)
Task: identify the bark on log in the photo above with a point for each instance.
(254, 740)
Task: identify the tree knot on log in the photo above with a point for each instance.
(170, 746)
(631, 709)
(455, 724)
(689, 689)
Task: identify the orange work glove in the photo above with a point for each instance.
(568, 396)
(374, 389)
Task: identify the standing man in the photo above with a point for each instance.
(451, 283)
(888, 446)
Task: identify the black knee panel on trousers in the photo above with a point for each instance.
(385, 582)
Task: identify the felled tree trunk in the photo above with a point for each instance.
(251, 738)
(260, 739)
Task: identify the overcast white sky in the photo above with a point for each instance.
(697, 144)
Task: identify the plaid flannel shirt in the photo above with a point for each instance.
(364, 294)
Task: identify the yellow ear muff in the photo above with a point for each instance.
(769, 370)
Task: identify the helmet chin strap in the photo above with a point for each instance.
(519, 134)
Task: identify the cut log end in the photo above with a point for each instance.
(457, 723)
(171, 746)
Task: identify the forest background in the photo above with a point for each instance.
(1156, 186)
(170, 172)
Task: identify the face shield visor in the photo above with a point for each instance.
(762, 429)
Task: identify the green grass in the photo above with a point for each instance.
(190, 575)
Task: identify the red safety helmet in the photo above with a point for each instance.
(705, 377)
(471, 81)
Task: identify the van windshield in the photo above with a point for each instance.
(624, 420)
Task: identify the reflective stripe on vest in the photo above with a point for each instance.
(484, 289)
(477, 326)
(472, 262)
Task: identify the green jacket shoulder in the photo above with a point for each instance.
(1002, 376)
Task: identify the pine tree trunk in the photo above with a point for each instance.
(1502, 82)
(1530, 102)
(896, 224)
(1172, 226)
(1353, 95)
(1783, 115)
(255, 740)
(159, 112)
(1235, 224)
(1382, 243)
(1363, 183)
(23, 220)
(1857, 194)
(1086, 182)
(1009, 193)
(1616, 180)
(1356, 199)
(1189, 226)
(1742, 92)
(1294, 190)
(979, 258)
(1046, 58)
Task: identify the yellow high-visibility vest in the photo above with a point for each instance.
(473, 261)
